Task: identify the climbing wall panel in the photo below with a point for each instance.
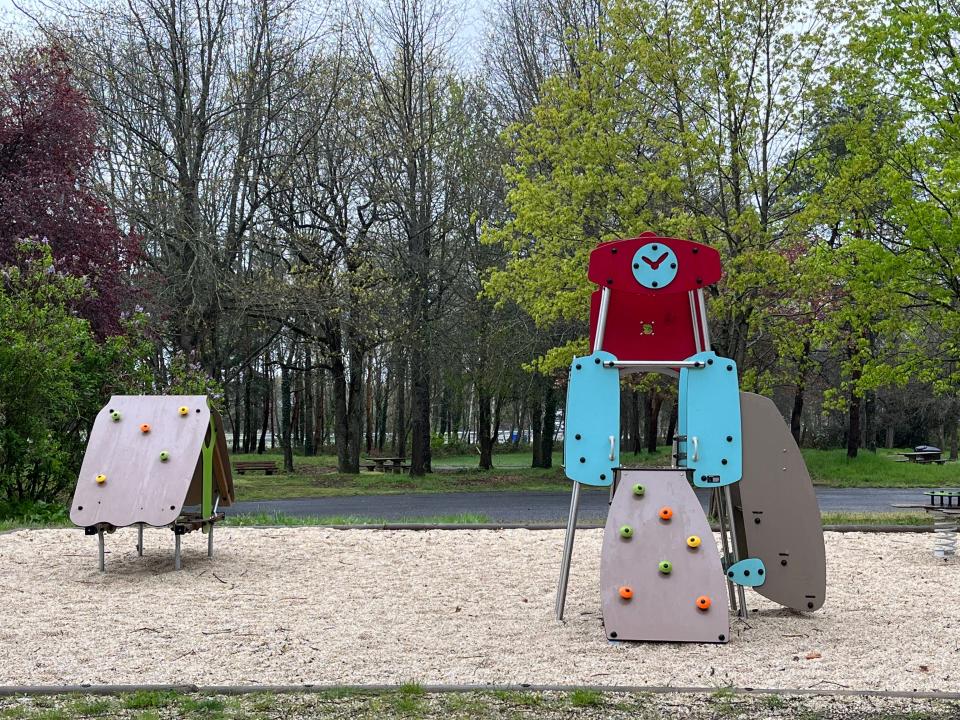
(660, 572)
(776, 514)
(140, 460)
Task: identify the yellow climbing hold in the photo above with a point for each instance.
(693, 541)
(101, 479)
(184, 410)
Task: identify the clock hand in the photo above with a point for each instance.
(656, 263)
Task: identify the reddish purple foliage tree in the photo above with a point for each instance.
(47, 147)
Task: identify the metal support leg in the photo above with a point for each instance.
(100, 544)
(568, 550)
(140, 539)
(736, 551)
(210, 541)
(721, 510)
(176, 550)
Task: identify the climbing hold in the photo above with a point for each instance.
(115, 415)
(626, 532)
(164, 456)
(101, 479)
(703, 602)
(665, 513)
(666, 567)
(639, 489)
(693, 541)
(184, 411)
(145, 428)
(626, 592)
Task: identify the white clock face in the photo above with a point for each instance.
(654, 265)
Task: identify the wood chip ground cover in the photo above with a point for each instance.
(325, 606)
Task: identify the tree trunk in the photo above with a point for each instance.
(484, 437)
(309, 412)
(247, 410)
(672, 422)
(853, 425)
(653, 420)
(536, 424)
(869, 419)
(549, 424)
(267, 398)
(286, 428)
(419, 412)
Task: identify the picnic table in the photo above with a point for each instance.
(927, 456)
(944, 505)
(380, 464)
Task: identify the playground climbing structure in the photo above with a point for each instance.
(147, 459)
(662, 577)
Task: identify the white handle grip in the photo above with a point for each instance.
(611, 447)
(696, 449)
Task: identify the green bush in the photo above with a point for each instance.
(54, 375)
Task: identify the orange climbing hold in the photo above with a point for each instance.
(703, 602)
(145, 428)
(626, 592)
(666, 513)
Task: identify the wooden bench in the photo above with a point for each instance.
(269, 467)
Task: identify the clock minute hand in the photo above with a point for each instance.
(654, 264)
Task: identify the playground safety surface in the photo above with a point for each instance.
(316, 605)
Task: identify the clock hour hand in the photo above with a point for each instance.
(654, 264)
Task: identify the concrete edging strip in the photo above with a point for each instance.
(36, 690)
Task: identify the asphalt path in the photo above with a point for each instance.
(520, 507)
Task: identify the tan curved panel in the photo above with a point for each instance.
(775, 509)
(663, 607)
(139, 486)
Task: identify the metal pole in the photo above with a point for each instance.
(210, 542)
(719, 504)
(736, 551)
(601, 319)
(140, 539)
(176, 550)
(100, 545)
(703, 315)
(568, 550)
(696, 323)
(653, 364)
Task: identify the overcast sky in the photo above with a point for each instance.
(468, 44)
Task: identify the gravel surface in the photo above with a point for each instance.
(315, 605)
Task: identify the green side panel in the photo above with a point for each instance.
(206, 504)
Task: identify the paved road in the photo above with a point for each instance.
(518, 507)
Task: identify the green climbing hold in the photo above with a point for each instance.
(115, 414)
(626, 531)
(164, 456)
(666, 567)
(639, 489)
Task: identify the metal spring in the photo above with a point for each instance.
(945, 536)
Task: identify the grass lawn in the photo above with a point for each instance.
(412, 701)
(317, 476)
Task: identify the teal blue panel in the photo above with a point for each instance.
(749, 572)
(592, 418)
(709, 418)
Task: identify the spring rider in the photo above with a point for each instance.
(662, 577)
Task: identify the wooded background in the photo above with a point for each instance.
(359, 243)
